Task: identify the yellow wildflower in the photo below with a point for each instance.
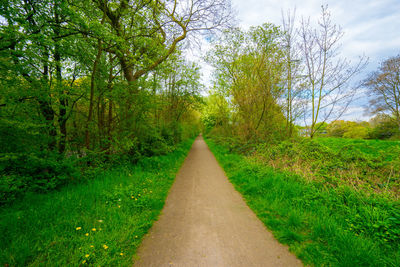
(122, 254)
(87, 255)
(91, 246)
(94, 229)
(84, 261)
(119, 206)
(78, 228)
(87, 234)
(105, 246)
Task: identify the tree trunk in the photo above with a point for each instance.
(62, 119)
(92, 87)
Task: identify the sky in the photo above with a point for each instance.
(371, 27)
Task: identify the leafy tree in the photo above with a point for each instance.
(384, 87)
(383, 127)
(348, 129)
(249, 69)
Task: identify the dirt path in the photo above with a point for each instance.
(205, 222)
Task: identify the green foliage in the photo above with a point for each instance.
(368, 165)
(105, 218)
(348, 129)
(38, 172)
(385, 128)
(249, 71)
(323, 226)
(215, 113)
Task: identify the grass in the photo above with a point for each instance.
(375, 148)
(323, 225)
(366, 165)
(98, 223)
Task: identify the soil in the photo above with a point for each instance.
(206, 222)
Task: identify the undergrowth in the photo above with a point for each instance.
(100, 222)
(370, 166)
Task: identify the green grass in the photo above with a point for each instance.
(323, 226)
(365, 165)
(375, 148)
(99, 223)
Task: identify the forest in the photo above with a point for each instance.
(100, 105)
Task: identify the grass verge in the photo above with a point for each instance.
(98, 223)
(323, 226)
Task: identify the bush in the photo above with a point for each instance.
(40, 172)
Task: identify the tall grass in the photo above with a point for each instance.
(99, 223)
(323, 226)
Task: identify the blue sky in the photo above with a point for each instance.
(371, 27)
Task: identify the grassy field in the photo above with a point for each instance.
(323, 225)
(99, 223)
(376, 148)
(365, 165)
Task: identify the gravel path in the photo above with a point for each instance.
(205, 222)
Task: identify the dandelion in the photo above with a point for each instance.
(84, 261)
(135, 236)
(91, 246)
(94, 229)
(119, 206)
(100, 221)
(132, 197)
(122, 254)
(105, 246)
(87, 234)
(78, 228)
(87, 255)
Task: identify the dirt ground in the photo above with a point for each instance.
(205, 222)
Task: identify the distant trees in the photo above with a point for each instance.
(384, 87)
(383, 126)
(348, 129)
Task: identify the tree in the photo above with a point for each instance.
(328, 76)
(348, 129)
(383, 127)
(384, 87)
(143, 34)
(249, 71)
(293, 80)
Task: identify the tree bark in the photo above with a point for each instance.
(92, 88)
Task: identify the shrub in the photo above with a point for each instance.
(23, 172)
